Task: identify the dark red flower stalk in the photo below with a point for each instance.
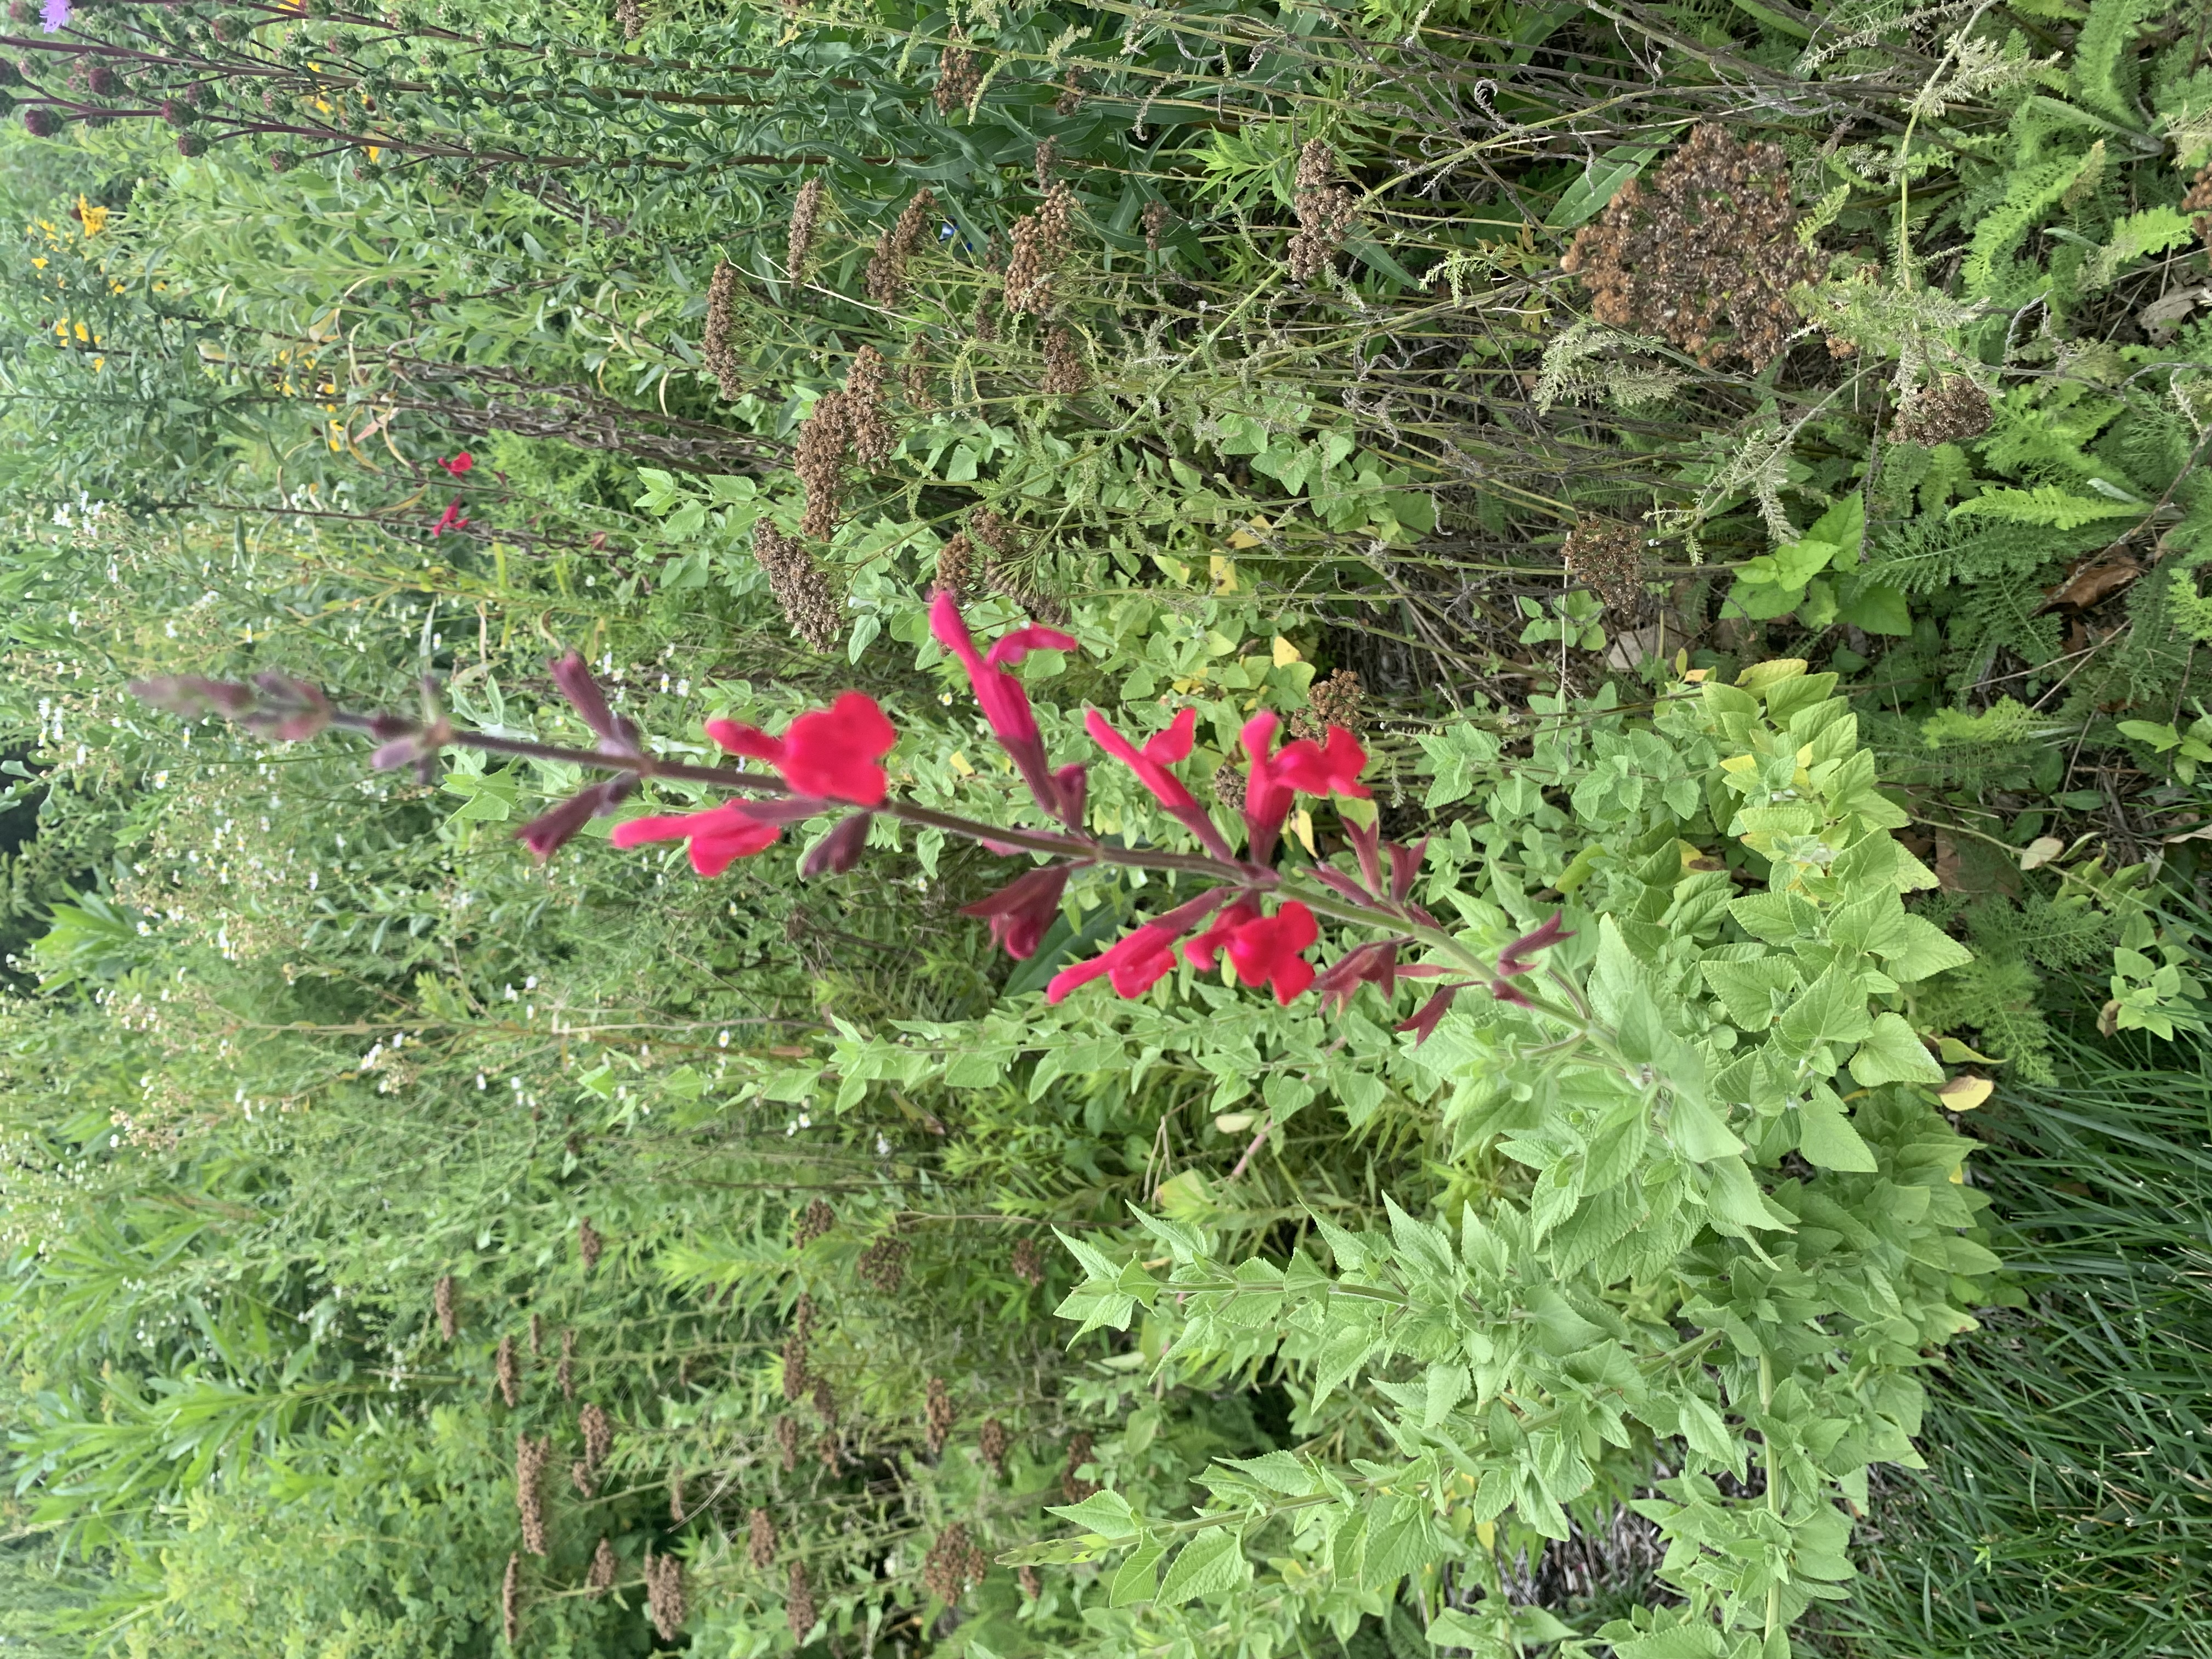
(1005, 703)
(547, 833)
(1020, 911)
(834, 752)
(1515, 958)
(1161, 751)
(1139, 960)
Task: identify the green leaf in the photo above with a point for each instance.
(1699, 1133)
(1587, 197)
(1827, 1137)
(1876, 608)
(1209, 1564)
(1106, 1513)
(1453, 1629)
(1891, 1053)
(1137, 1578)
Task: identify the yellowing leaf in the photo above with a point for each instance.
(1302, 827)
(1285, 653)
(2041, 852)
(1965, 1091)
(958, 762)
(1223, 570)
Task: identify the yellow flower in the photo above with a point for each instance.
(39, 264)
(94, 219)
(83, 333)
(100, 363)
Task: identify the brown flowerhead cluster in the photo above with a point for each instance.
(954, 1563)
(800, 588)
(786, 1442)
(510, 1600)
(762, 1545)
(1047, 153)
(1155, 221)
(1228, 787)
(1029, 1262)
(2197, 200)
(599, 1432)
(1334, 702)
(676, 1513)
(629, 15)
(993, 1444)
(600, 1576)
(818, 457)
(1606, 557)
(1032, 1586)
(446, 1304)
(589, 1244)
(1030, 267)
(584, 1478)
(1705, 254)
(871, 432)
(882, 1266)
(1070, 95)
(537, 1334)
(529, 1458)
(826, 1453)
(958, 77)
(1952, 411)
(955, 566)
(716, 347)
(1055, 218)
(1072, 1486)
(1325, 211)
(805, 220)
(565, 1373)
(937, 1416)
(507, 1372)
(815, 1221)
(914, 378)
(1066, 372)
(798, 1602)
(664, 1593)
(887, 274)
(797, 1378)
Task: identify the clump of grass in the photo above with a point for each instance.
(2067, 1506)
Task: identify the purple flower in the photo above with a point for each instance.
(56, 16)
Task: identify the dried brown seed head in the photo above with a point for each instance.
(1607, 558)
(446, 1302)
(1705, 252)
(993, 1444)
(1066, 372)
(952, 1564)
(507, 1372)
(1072, 1487)
(786, 1442)
(801, 590)
(887, 270)
(565, 1373)
(938, 1416)
(805, 220)
(1952, 411)
(762, 1544)
(530, 1459)
(664, 1594)
(717, 347)
(818, 457)
(798, 1602)
(955, 566)
(604, 1570)
(1029, 1262)
(1334, 702)
(870, 434)
(958, 77)
(814, 1222)
(589, 1244)
(882, 1266)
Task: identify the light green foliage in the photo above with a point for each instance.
(1640, 1272)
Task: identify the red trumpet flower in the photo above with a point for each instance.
(1161, 751)
(450, 518)
(1263, 950)
(718, 836)
(458, 464)
(1138, 960)
(1006, 703)
(1300, 765)
(834, 752)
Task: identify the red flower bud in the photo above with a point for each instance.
(1020, 911)
(1514, 958)
(840, 850)
(1430, 1014)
